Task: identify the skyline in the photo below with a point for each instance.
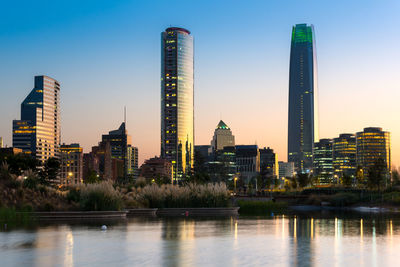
(257, 77)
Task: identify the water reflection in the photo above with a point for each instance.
(288, 240)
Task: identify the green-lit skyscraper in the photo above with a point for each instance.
(303, 101)
(177, 106)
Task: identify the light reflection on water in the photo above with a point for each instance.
(278, 241)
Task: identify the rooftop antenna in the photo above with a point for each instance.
(125, 115)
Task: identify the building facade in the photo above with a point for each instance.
(303, 98)
(1, 142)
(71, 164)
(157, 169)
(38, 131)
(222, 137)
(344, 155)
(177, 103)
(286, 170)
(247, 162)
(323, 161)
(269, 162)
(132, 161)
(373, 144)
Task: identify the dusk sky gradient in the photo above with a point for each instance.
(106, 55)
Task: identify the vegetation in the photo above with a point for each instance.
(174, 196)
(98, 197)
(261, 207)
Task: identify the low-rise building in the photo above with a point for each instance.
(157, 168)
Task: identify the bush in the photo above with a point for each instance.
(100, 197)
(343, 199)
(73, 194)
(261, 207)
(30, 183)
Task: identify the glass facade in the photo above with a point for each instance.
(344, 155)
(38, 131)
(177, 103)
(323, 161)
(303, 104)
(373, 144)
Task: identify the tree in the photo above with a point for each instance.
(19, 162)
(49, 173)
(346, 180)
(360, 176)
(92, 177)
(376, 174)
(395, 177)
(303, 179)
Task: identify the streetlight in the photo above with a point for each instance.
(234, 182)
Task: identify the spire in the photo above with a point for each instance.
(222, 125)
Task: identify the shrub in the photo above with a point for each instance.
(73, 194)
(261, 207)
(30, 183)
(100, 197)
(343, 199)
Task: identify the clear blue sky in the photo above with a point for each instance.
(106, 54)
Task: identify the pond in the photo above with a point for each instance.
(317, 239)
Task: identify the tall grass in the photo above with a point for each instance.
(100, 197)
(189, 196)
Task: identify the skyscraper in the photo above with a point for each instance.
(38, 131)
(344, 155)
(303, 101)
(222, 137)
(177, 113)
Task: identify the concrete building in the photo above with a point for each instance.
(71, 169)
(38, 130)
(132, 161)
(303, 98)
(222, 137)
(177, 103)
(247, 162)
(269, 162)
(157, 168)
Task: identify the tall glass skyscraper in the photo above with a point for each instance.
(303, 101)
(177, 115)
(38, 131)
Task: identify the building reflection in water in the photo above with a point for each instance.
(301, 245)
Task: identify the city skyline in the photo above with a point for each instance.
(262, 114)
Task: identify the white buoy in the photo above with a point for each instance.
(104, 227)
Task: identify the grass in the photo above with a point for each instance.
(261, 207)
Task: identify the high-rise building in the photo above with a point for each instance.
(344, 155)
(38, 131)
(323, 161)
(177, 104)
(269, 162)
(71, 168)
(373, 144)
(286, 169)
(1, 142)
(132, 161)
(247, 162)
(303, 100)
(222, 137)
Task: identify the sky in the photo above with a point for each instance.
(106, 55)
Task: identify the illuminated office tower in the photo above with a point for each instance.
(373, 144)
(303, 101)
(323, 162)
(38, 131)
(71, 167)
(344, 155)
(1, 142)
(177, 122)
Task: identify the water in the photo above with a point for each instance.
(295, 240)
